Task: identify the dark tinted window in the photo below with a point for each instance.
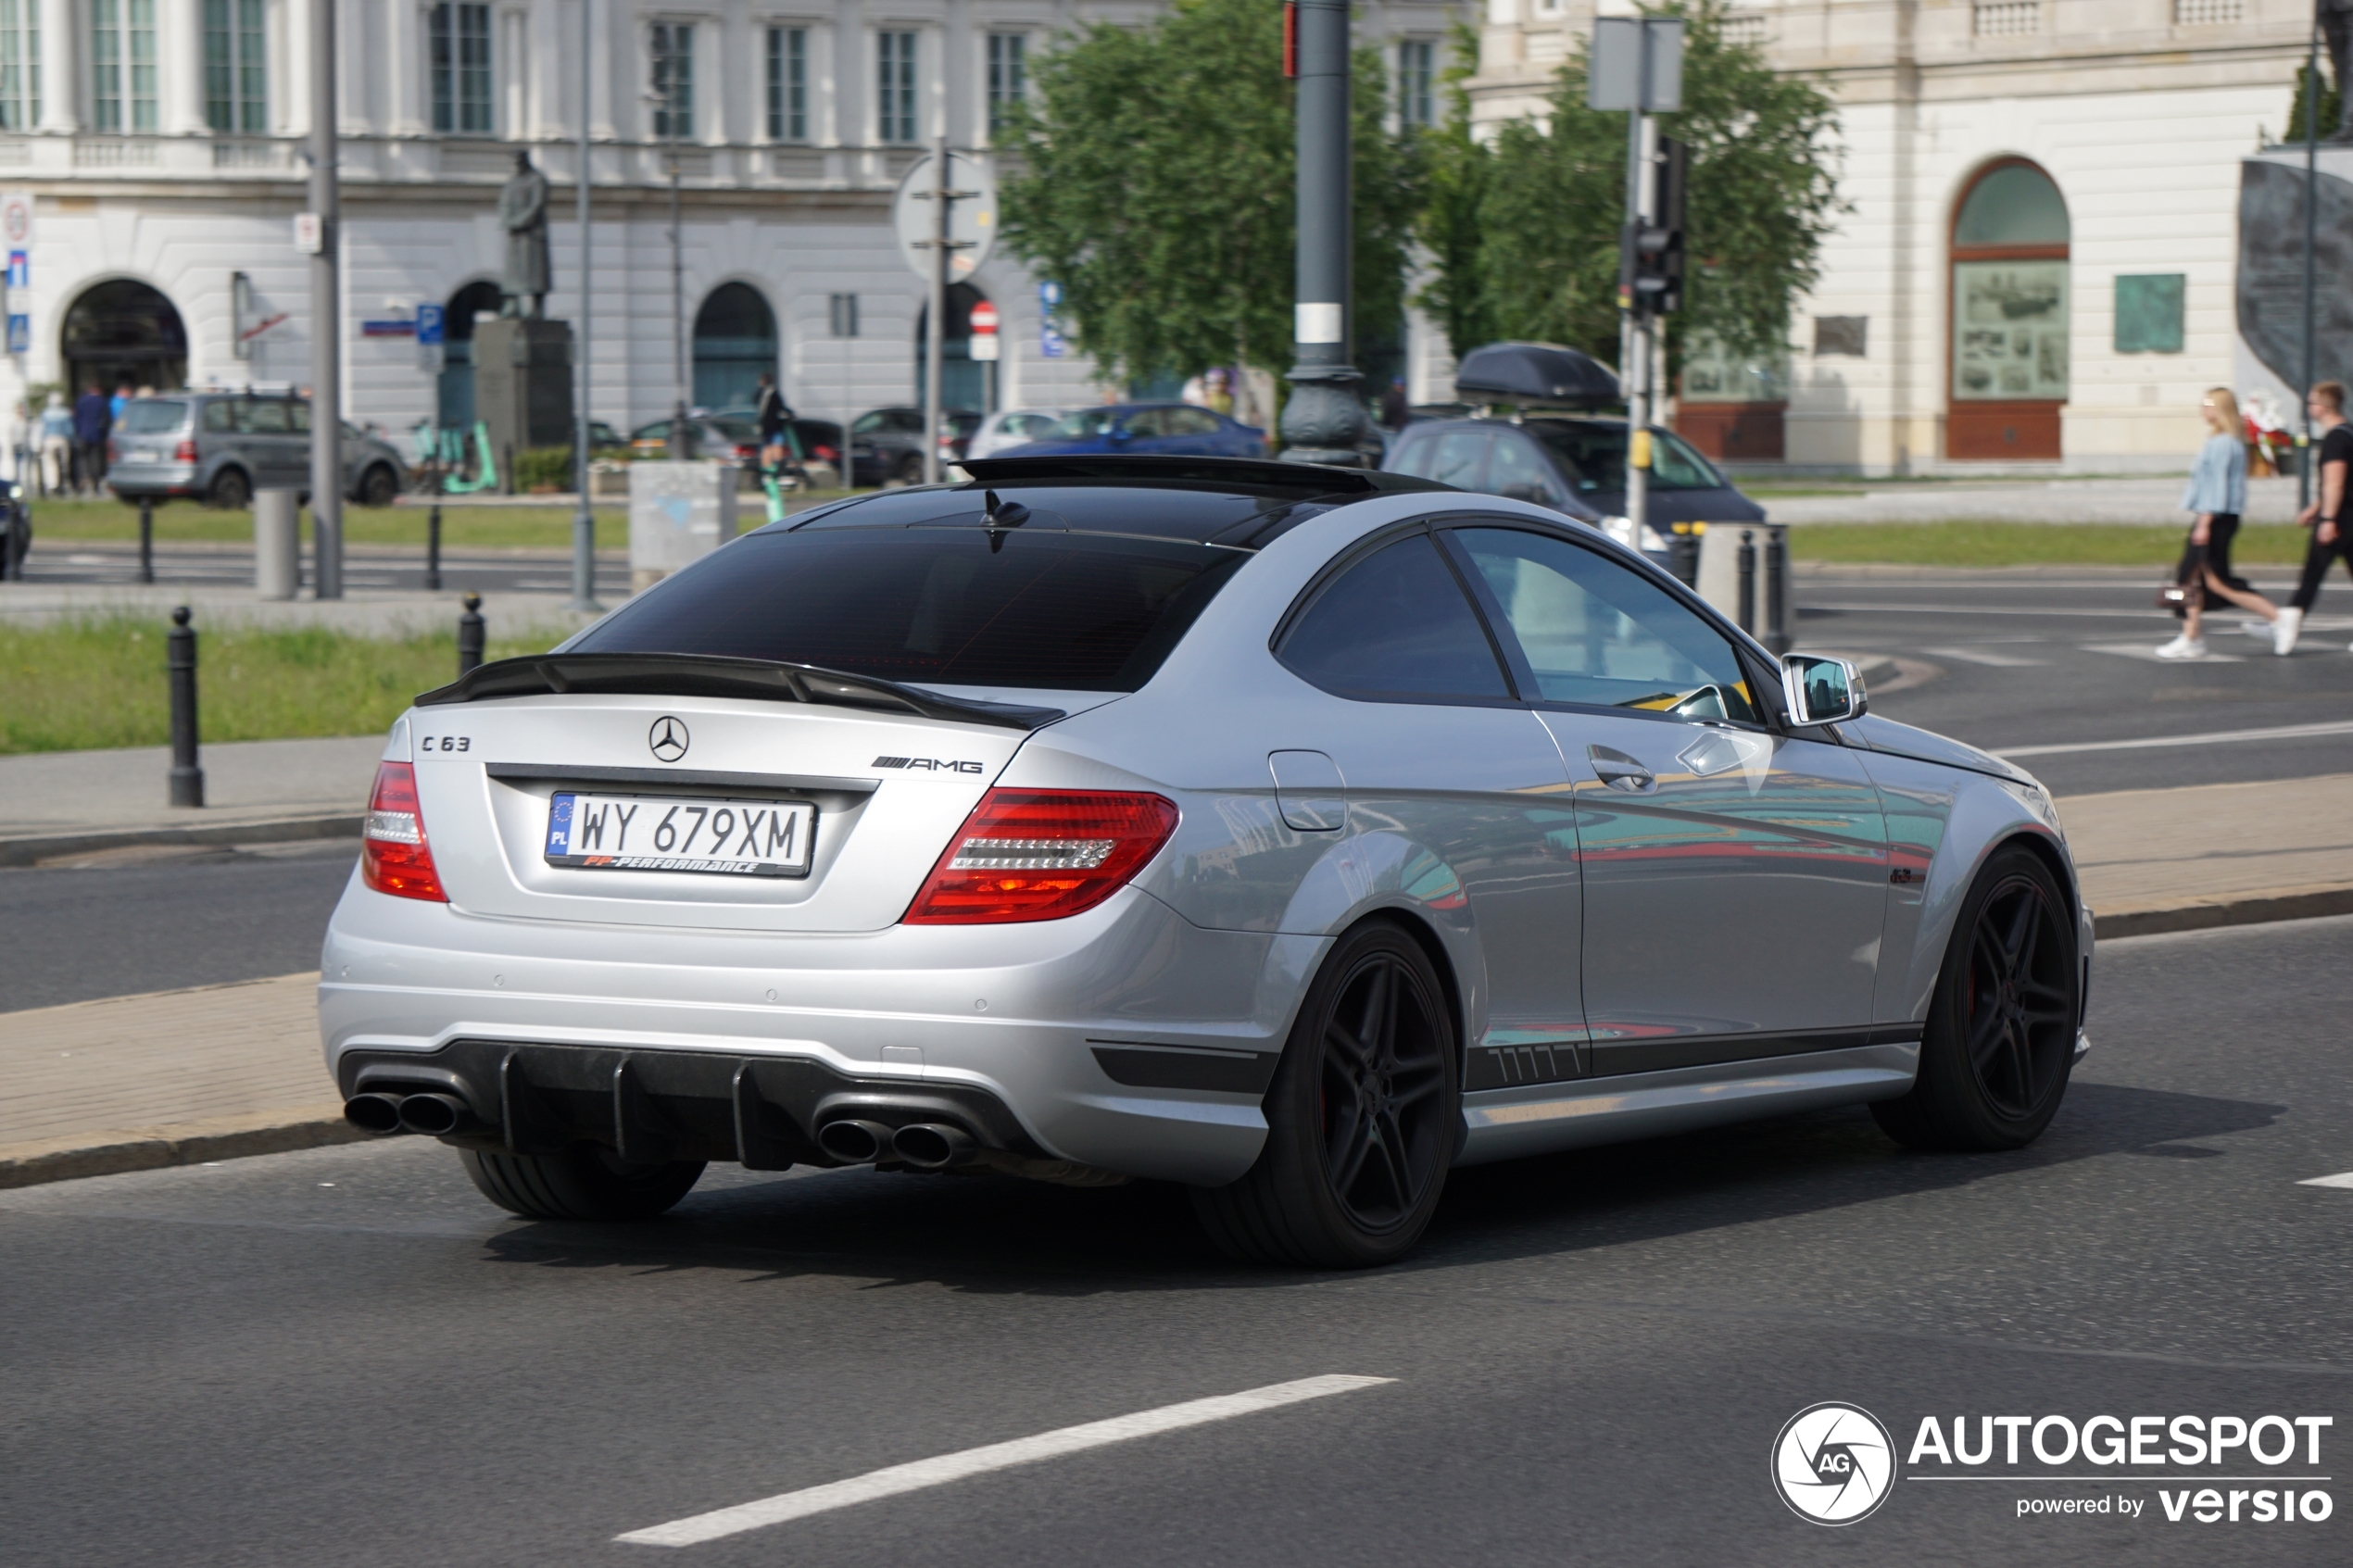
(934, 605)
(1395, 625)
(151, 416)
(220, 417)
(1595, 456)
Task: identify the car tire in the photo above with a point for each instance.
(584, 1182)
(2000, 1040)
(230, 490)
(1362, 1117)
(378, 487)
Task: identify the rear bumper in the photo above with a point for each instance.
(1126, 1038)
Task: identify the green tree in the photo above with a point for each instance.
(1452, 224)
(1762, 196)
(1153, 177)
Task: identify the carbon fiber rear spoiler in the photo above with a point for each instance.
(689, 674)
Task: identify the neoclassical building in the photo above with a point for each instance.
(2039, 265)
(160, 143)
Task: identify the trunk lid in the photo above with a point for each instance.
(890, 790)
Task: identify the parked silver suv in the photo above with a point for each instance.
(221, 447)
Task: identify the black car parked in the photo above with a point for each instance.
(1577, 466)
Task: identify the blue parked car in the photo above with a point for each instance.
(1171, 429)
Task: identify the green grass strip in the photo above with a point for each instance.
(99, 681)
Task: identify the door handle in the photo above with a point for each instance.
(1621, 772)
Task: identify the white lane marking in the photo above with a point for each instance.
(2059, 614)
(2343, 1179)
(1983, 656)
(937, 1471)
(2219, 737)
(2148, 651)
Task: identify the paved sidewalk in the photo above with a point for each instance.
(2178, 860)
(60, 803)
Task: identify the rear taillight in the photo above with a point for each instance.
(394, 855)
(185, 452)
(824, 454)
(1041, 855)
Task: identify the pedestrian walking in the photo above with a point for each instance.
(55, 439)
(2332, 538)
(773, 414)
(93, 422)
(2217, 495)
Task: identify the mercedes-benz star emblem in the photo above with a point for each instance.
(668, 738)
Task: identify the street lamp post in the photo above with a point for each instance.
(326, 313)
(2311, 236)
(583, 521)
(1324, 420)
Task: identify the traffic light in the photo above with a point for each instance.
(1650, 259)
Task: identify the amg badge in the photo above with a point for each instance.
(930, 764)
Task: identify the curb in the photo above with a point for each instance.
(27, 850)
(2259, 908)
(187, 1143)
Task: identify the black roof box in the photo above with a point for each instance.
(1534, 373)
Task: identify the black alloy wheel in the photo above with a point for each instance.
(2001, 1030)
(1362, 1116)
(230, 490)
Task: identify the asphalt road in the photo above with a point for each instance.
(346, 1357)
(2062, 661)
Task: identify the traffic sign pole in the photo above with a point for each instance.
(935, 329)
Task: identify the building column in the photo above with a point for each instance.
(181, 44)
(60, 78)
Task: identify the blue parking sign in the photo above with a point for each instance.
(429, 325)
(1050, 334)
(19, 333)
(19, 269)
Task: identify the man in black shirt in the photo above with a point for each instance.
(774, 415)
(2331, 524)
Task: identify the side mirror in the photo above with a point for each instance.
(1822, 690)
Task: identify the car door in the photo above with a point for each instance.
(1455, 792)
(1735, 873)
(280, 461)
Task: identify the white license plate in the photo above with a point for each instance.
(648, 832)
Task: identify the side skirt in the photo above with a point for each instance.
(1542, 1118)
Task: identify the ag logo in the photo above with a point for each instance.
(1834, 1463)
(668, 738)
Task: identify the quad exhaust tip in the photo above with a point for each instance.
(855, 1143)
(435, 1115)
(928, 1146)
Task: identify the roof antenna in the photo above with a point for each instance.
(998, 516)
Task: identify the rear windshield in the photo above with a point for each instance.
(952, 606)
(152, 416)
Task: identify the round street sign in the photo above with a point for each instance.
(984, 319)
(972, 216)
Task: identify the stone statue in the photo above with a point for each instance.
(523, 211)
(2336, 28)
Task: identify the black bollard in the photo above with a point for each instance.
(433, 548)
(1776, 590)
(1748, 582)
(146, 539)
(1682, 553)
(180, 663)
(470, 633)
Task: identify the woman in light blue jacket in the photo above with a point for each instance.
(2217, 495)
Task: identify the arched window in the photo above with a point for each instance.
(2009, 321)
(964, 381)
(735, 340)
(120, 332)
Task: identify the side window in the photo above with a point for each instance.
(1395, 625)
(1516, 468)
(1461, 457)
(264, 416)
(907, 422)
(1676, 467)
(1150, 424)
(1413, 455)
(864, 424)
(1598, 633)
(299, 418)
(1192, 421)
(220, 417)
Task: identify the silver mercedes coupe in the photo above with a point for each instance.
(1293, 833)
